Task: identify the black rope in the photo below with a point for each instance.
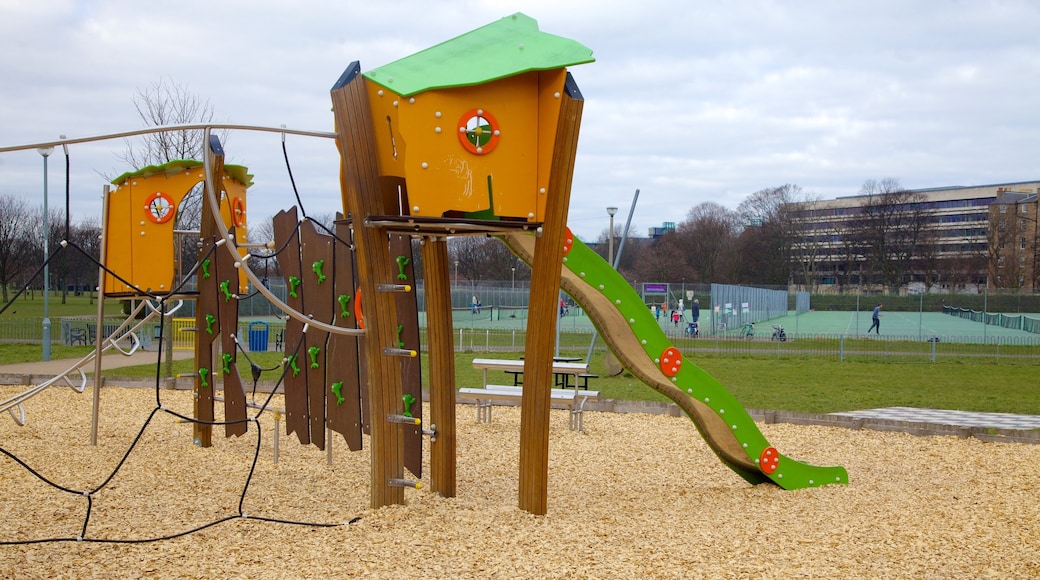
(288, 167)
(255, 370)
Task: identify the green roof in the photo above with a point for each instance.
(508, 47)
(239, 173)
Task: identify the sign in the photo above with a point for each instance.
(655, 288)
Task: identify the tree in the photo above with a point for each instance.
(706, 240)
(16, 243)
(769, 235)
(484, 258)
(894, 225)
(165, 103)
(656, 261)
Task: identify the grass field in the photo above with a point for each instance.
(799, 385)
(757, 376)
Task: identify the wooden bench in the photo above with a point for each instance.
(571, 399)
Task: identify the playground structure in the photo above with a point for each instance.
(475, 136)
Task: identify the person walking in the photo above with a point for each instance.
(875, 320)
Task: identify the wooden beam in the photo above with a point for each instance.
(543, 308)
(359, 182)
(440, 339)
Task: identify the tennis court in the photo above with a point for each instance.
(908, 325)
(896, 325)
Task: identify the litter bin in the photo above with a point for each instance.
(258, 333)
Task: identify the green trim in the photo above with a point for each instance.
(505, 48)
(239, 173)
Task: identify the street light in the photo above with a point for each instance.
(513, 282)
(610, 247)
(456, 273)
(46, 152)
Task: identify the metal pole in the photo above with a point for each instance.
(613, 263)
(99, 337)
(46, 151)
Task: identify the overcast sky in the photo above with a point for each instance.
(688, 101)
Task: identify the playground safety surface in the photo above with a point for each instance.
(635, 495)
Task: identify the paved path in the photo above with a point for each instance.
(945, 417)
(108, 361)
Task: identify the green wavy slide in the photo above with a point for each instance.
(633, 334)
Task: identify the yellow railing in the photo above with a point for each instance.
(184, 334)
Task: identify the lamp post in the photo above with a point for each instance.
(46, 152)
(456, 273)
(610, 247)
(513, 280)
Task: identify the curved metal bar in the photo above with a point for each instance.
(169, 128)
(214, 206)
(20, 420)
(83, 381)
(10, 403)
(133, 339)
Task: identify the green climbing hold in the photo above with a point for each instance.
(227, 362)
(203, 372)
(294, 283)
(337, 389)
(402, 261)
(210, 319)
(313, 351)
(343, 299)
(317, 267)
(205, 267)
(225, 287)
(292, 365)
(409, 400)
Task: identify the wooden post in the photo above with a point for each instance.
(359, 181)
(544, 310)
(442, 365)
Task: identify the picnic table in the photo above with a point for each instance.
(485, 396)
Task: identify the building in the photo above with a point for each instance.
(1013, 235)
(929, 239)
(659, 231)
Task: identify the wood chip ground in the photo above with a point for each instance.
(635, 496)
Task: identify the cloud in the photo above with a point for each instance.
(688, 101)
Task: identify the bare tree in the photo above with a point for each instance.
(894, 225)
(16, 243)
(659, 260)
(484, 258)
(161, 104)
(706, 239)
(1007, 254)
(166, 103)
(769, 236)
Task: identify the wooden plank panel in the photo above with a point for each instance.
(206, 304)
(440, 338)
(286, 236)
(316, 250)
(541, 325)
(227, 319)
(408, 337)
(343, 412)
(203, 433)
